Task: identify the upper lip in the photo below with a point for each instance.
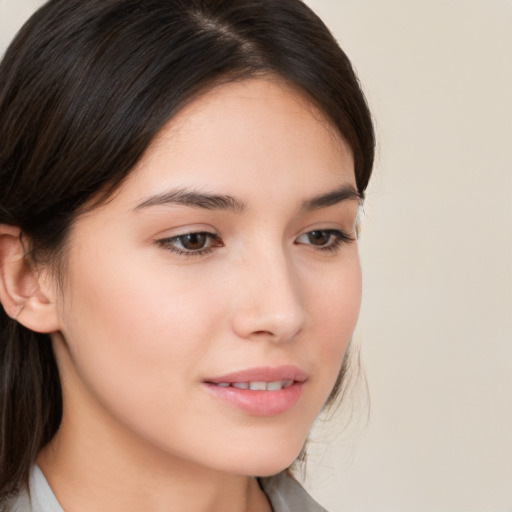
(262, 374)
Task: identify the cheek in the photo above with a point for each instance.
(138, 304)
(334, 311)
(342, 303)
(134, 330)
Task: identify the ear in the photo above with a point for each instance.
(25, 293)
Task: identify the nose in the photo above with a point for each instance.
(268, 302)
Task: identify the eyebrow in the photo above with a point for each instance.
(344, 193)
(195, 199)
(207, 201)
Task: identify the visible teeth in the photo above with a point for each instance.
(258, 386)
(275, 386)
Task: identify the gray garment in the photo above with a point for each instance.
(285, 495)
(39, 498)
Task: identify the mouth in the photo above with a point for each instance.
(260, 391)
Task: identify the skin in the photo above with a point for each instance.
(140, 326)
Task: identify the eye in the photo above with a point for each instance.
(325, 239)
(192, 244)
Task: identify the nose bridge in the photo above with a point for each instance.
(268, 302)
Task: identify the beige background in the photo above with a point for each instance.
(436, 324)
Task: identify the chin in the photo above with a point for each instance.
(266, 460)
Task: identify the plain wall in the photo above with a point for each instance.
(436, 322)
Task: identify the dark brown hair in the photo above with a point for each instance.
(84, 88)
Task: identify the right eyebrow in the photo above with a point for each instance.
(194, 199)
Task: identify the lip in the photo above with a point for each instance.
(260, 403)
(262, 374)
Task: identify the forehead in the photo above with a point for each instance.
(255, 135)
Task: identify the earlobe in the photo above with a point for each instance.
(24, 294)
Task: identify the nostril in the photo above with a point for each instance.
(263, 333)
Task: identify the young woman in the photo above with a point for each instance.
(179, 273)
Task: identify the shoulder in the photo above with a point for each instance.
(38, 497)
(287, 495)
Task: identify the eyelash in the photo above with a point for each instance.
(336, 238)
(169, 244)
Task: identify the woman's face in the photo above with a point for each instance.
(227, 259)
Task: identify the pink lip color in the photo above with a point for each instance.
(260, 403)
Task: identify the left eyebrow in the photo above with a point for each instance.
(344, 193)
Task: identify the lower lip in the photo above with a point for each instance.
(259, 403)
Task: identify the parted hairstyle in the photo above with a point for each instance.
(84, 88)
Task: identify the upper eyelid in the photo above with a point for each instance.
(215, 234)
(185, 230)
(198, 232)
